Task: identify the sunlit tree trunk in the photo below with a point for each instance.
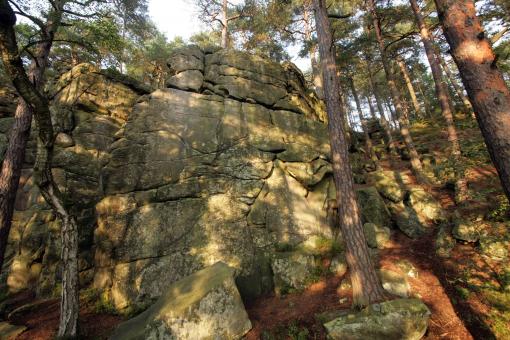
(366, 286)
(484, 83)
(224, 24)
(402, 113)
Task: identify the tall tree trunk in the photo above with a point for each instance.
(368, 140)
(28, 90)
(482, 79)
(410, 88)
(384, 122)
(366, 286)
(402, 114)
(444, 102)
(11, 171)
(224, 24)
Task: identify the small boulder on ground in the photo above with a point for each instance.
(292, 270)
(390, 184)
(205, 305)
(373, 209)
(425, 205)
(406, 220)
(396, 319)
(395, 283)
(376, 236)
(465, 230)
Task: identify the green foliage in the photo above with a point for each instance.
(292, 331)
(284, 247)
(501, 210)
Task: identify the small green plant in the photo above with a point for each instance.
(283, 247)
(295, 332)
(463, 292)
(501, 212)
(104, 305)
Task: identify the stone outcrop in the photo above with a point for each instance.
(205, 305)
(228, 163)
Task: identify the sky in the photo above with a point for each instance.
(179, 18)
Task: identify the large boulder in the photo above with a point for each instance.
(373, 208)
(376, 236)
(397, 319)
(205, 305)
(406, 220)
(390, 184)
(292, 270)
(425, 205)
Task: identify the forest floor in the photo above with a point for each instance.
(465, 291)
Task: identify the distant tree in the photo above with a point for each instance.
(221, 12)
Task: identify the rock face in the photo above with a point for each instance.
(397, 319)
(225, 165)
(205, 305)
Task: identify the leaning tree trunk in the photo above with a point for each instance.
(20, 133)
(402, 113)
(368, 140)
(69, 307)
(482, 79)
(366, 286)
(410, 88)
(444, 102)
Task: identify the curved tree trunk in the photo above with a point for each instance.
(482, 79)
(29, 91)
(402, 114)
(365, 284)
(444, 102)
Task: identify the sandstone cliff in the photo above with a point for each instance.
(228, 163)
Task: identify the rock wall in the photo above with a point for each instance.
(228, 163)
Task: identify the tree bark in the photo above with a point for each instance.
(444, 102)
(366, 286)
(484, 83)
(410, 88)
(224, 24)
(28, 90)
(402, 113)
(368, 140)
